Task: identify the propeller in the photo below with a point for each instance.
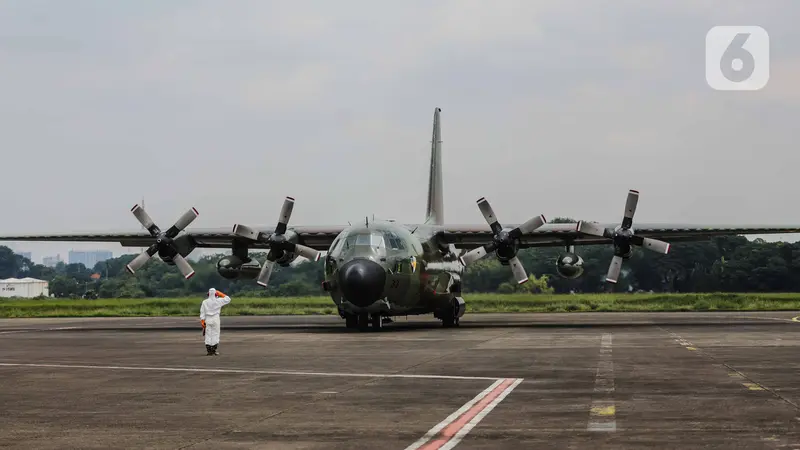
(164, 240)
(277, 241)
(504, 242)
(623, 237)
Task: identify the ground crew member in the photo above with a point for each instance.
(209, 318)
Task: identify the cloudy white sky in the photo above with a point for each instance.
(553, 107)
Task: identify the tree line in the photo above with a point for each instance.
(720, 264)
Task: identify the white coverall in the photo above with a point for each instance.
(209, 311)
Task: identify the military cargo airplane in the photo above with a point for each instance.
(379, 269)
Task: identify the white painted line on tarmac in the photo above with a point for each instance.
(31, 330)
(250, 371)
(602, 413)
(449, 432)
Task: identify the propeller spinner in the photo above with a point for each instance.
(623, 237)
(164, 240)
(504, 242)
(278, 244)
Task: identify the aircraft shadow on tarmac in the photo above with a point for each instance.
(402, 326)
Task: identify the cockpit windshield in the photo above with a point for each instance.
(366, 242)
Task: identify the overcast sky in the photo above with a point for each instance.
(552, 107)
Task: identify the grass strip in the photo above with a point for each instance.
(476, 303)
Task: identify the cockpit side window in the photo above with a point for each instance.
(393, 241)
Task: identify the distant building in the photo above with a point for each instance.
(24, 287)
(89, 259)
(51, 261)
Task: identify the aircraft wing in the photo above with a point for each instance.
(316, 237)
(561, 234)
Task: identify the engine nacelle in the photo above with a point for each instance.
(232, 268)
(569, 265)
(185, 245)
(286, 258)
(506, 252)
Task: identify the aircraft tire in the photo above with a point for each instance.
(363, 322)
(377, 323)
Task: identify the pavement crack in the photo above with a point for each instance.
(753, 383)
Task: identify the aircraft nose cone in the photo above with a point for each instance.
(362, 281)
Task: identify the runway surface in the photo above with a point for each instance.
(532, 381)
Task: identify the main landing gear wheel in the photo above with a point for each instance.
(451, 318)
(377, 322)
(450, 322)
(363, 322)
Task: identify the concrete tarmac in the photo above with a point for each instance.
(516, 381)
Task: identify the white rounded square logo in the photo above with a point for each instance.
(737, 58)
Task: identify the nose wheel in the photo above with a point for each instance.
(363, 321)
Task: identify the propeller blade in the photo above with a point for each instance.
(527, 227)
(182, 222)
(286, 213)
(143, 257)
(144, 219)
(488, 214)
(473, 255)
(307, 252)
(591, 228)
(246, 232)
(655, 245)
(614, 269)
(630, 208)
(519, 271)
(266, 271)
(183, 266)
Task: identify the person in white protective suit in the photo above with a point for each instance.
(209, 318)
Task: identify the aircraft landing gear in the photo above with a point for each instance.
(450, 317)
(377, 323)
(363, 321)
(449, 322)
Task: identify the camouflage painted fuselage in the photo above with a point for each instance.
(416, 276)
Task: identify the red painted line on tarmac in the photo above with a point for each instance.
(447, 435)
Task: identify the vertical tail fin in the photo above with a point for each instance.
(435, 212)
